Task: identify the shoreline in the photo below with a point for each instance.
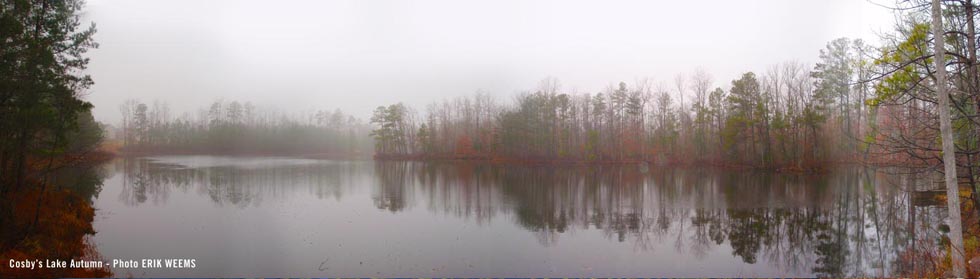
(822, 167)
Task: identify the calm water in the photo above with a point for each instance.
(297, 217)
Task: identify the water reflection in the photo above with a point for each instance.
(232, 182)
(852, 222)
(86, 180)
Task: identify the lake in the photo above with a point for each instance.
(262, 216)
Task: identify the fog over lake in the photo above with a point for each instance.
(357, 55)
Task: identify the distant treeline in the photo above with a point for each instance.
(792, 116)
(232, 127)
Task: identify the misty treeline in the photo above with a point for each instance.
(235, 127)
(857, 102)
(790, 116)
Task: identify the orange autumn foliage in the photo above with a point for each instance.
(62, 232)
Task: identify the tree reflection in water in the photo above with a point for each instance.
(232, 183)
(851, 222)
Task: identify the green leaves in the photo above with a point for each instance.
(905, 61)
(42, 60)
(389, 136)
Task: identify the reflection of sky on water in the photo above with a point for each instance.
(199, 161)
(280, 216)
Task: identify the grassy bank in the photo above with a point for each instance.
(57, 229)
(42, 221)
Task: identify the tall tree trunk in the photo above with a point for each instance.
(974, 89)
(949, 150)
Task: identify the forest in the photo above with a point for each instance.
(858, 104)
(791, 117)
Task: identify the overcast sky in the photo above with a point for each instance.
(356, 55)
